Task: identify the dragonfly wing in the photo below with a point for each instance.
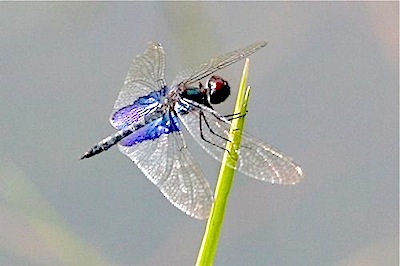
(255, 158)
(207, 68)
(158, 149)
(145, 75)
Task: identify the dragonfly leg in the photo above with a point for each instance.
(202, 117)
(234, 116)
(238, 116)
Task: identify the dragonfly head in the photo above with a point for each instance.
(218, 89)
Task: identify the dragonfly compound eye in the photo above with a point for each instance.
(219, 89)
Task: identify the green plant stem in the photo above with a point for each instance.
(209, 244)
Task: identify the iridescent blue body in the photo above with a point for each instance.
(147, 118)
(143, 120)
(159, 119)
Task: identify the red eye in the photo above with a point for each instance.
(219, 89)
(216, 83)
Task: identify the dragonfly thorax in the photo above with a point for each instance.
(215, 92)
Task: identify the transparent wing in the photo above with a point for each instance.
(256, 159)
(168, 164)
(145, 75)
(207, 68)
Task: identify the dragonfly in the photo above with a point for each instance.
(149, 116)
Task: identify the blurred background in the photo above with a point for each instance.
(325, 91)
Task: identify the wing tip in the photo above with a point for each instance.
(296, 178)
(154, 45)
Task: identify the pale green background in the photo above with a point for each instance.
(325, 91)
